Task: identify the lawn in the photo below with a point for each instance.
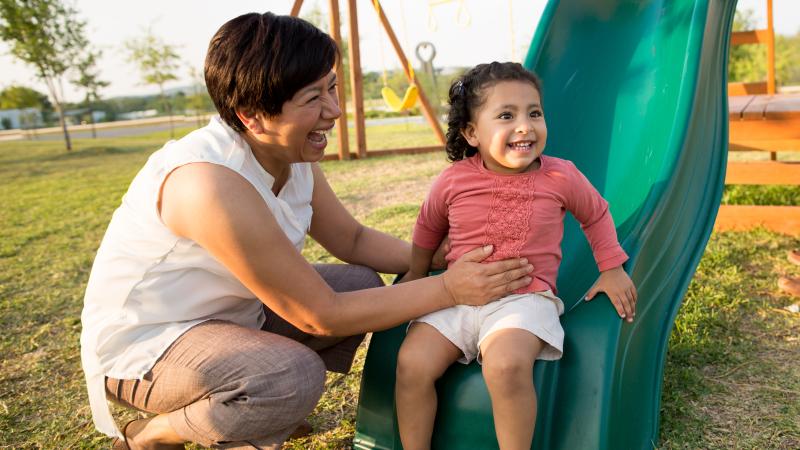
(732, 377)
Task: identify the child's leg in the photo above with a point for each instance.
(423, 358)
(508, 357)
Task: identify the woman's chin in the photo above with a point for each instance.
(312, 154)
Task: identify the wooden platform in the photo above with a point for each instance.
(764, 122)
(768, 123)
(783, 219)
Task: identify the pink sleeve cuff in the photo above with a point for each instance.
(610, 259)
(425, 238)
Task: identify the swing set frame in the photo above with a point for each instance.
(356, 78)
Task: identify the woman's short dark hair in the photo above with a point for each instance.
(466, 96)
(257, 62)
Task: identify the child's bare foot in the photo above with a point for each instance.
(793, 256)
(790, 285)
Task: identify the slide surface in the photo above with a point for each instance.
(635, 95)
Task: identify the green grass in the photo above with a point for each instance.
(740, 194)
(401, 135)
(732, 378)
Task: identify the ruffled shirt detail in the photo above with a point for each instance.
(508, 218)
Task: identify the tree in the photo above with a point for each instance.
(157, 61)
(88, 79)
(48, 36)
(198, 102)
(748, 63)
(316, 17)
(21, 97)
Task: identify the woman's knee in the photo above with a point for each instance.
(304, 378)
(348, 277)
(368, 277)
(282, 396)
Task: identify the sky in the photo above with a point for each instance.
(189, 25)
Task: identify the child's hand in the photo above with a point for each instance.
(619, 288)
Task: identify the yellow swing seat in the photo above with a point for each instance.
(394, 102)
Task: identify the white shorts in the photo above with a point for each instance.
(467, 326)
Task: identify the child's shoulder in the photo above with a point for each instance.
(467, 165)
(556, 163)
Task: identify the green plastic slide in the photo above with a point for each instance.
(635, 95)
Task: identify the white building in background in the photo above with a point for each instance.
(138, 114)
(20, 118)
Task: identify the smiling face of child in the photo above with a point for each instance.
(509, 129)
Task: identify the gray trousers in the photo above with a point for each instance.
(227, 386)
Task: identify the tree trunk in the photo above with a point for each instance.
(91, 120)
(168, 107)
(63, 122)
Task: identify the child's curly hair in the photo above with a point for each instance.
(466, 96)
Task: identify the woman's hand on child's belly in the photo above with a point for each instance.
(471, 282)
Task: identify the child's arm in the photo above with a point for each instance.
(420, 263)
(429, 238)
(591, 210)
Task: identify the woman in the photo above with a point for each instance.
(200, 308)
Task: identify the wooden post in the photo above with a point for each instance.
(430, 115)
(341, 122)
(770, 60)
(296, 8)
(356, 81)
(770, 50)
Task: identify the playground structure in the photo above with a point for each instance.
(762, 120)
(639, 103)
(357, 87)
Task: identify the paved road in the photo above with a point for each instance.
(109, 132)
(146, 129)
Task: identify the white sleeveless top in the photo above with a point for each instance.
(148, 286)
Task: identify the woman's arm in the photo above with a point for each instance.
(222, 212)
(345, 238)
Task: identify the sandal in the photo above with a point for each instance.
(122, 443)
(790, 285)
(793, 256)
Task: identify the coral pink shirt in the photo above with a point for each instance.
(521, 215)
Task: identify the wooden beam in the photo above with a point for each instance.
(749, 37)
(341, 122)
(753, 88)
(764, 145)
(782, 219)
(356, 81)
(751, 130)
(296, 8)
(427, 111)
(763, 172)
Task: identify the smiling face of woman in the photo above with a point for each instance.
(299, 132)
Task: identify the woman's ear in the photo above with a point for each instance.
(470, 134)
(250, 120)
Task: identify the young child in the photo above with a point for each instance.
(501, 191)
